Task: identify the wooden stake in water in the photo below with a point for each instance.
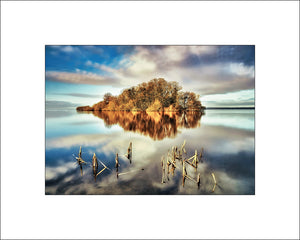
(80, 161)
(101, 171)
(183, 147)
(192, 179)
(195, 160)
(213, 175)
(129, 152)
(184, 173)
(180, 152)
(95, 166)
(168, 166)
(163, 170)
(117, 165)
(173, 154)
(104, 167)
(79, 155)
(173, 166)
(172, 169)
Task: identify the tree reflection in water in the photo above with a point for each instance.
(157, 125)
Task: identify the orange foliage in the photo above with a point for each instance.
(155, 95)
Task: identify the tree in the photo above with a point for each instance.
(107, 97)
(154, 95)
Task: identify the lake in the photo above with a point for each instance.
(224, 138)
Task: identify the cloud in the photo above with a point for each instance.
(62, 48)
(68, 49)
(61, 169)
(148, 62)
(203, 69)
(223, 54)
(80, 78)
(94, 49)
(214, 78)
(163, 59)
(215, 70)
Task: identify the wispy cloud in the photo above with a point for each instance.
(80, 78)
(64, 48)
(68, 49)
(208, 75)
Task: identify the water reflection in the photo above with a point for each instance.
(176, 159)
(157, 125)
(227, 152)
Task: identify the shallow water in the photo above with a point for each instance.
(226, 136)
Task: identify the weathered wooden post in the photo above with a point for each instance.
(183, 147)
(168, 166)
(173, 169)
(79, 155)
(173, 164)
(174, 150)
(213, 175)
(104, 167)
(80, 161)
(163, 170)
(129, 152)
(117, 165)
(195, 161)
(95, 166)
(184, 173)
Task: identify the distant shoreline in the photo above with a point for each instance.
(230, 108)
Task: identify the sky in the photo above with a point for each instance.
(222, 75)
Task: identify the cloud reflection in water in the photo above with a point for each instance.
(228, 152)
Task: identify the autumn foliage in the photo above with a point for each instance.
(155, 95)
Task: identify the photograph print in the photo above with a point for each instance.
(149, 120)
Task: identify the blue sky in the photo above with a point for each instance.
(223, 76)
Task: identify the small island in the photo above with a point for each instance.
(157, 95)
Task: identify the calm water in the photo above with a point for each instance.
(226, 136)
